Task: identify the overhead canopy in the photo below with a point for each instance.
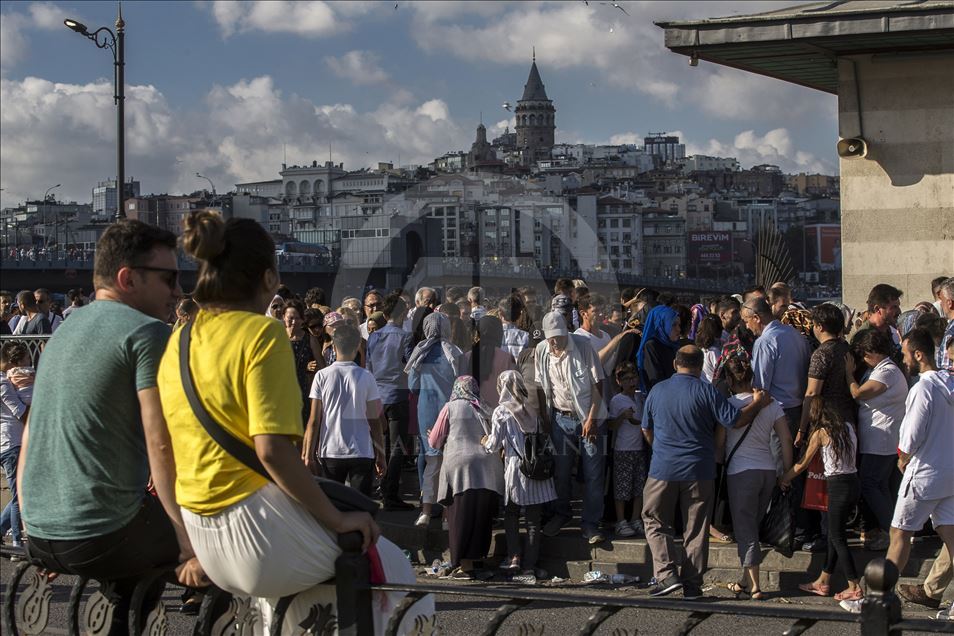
(801, 44)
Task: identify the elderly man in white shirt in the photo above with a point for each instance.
(927, 446)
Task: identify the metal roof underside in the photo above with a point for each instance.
(801, 44)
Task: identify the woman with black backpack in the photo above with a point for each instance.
(516, 428)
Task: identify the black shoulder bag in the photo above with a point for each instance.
(536, 461)
(344, 498)
(721, 516)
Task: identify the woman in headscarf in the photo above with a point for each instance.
(431, 370)
(657, 349)
(471, 479)
(698, 312)
(511, 421)
(487, 360)
(413, 426)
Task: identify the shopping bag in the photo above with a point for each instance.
(816, 487)
(777, 528)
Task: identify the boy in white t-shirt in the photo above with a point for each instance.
(630, 462)
(345, 431)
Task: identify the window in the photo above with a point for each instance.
(600, 224)
(627, 263)
(627, 222)
(627, 237)
(614, 222)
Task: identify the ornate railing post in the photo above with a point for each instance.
(881, 607)
(353, 588)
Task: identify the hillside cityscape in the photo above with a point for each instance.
(627, 211)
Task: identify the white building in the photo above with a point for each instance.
(700, 163)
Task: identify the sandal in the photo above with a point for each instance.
(723, 538)
(849, 595)
(812, 588)
(741, 593)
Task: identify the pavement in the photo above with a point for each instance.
(568, 557)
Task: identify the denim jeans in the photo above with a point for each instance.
(10, 518)
(399, 443)
(567, 446)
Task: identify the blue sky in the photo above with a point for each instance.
(223, 87)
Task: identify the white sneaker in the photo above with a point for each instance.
(624, 530)
(422, 520)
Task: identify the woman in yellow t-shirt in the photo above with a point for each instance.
(252, 536)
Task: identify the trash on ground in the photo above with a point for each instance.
(623, 579)
(595, 576)
(525, 579)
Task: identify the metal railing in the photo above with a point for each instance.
(27, 611)
(34, 343)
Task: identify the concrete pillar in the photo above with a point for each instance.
(897, 204)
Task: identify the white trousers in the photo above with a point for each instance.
(268, 546)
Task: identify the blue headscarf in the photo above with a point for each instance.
(658, 326)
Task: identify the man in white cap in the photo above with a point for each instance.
(570, 375)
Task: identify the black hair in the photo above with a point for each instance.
(690, 357)
(921, 340)
(708, 332)
(127, 243)
(874, 341)
(346, 339)
(882, 294)
(315, 296)
(394, 306)
(830, 318)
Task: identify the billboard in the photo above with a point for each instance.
(710, 248)
(824, 245)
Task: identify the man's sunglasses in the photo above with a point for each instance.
(169, 276)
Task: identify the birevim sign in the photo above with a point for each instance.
(710, 248)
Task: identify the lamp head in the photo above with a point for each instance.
(79, 27)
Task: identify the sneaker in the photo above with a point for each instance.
(638, 528)
(553, 526)
(819, 544)
(511, 564)
(392, 505)
(422, 520)
(946, 615)
(692, 592)
(916, 594)
(461, 575)
(595, 538)
(624, 530)
(667, 586)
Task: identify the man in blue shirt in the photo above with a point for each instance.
(388, 351)
(779, 359)
(679, 419)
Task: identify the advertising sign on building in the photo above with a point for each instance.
(824, 245)
(710, 248)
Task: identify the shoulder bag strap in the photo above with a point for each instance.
(223, 438)
(736, 447)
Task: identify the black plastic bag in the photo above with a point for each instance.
(778, 525)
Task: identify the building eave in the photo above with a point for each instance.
(802, 44)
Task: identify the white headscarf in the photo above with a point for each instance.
(514, 397)
(437, 331)
(268, 311)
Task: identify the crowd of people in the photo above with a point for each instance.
(516, 406)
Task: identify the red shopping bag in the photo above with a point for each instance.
(815, 496)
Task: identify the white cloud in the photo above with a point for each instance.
(626, 138)
(775, 147)
(66, 133)
(14, 29)
(360, 67)
(627, 51)
(47, 15)
(311, 19)
(13, 42)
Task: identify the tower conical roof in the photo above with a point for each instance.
(533, 90)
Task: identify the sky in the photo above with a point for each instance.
(229, 89)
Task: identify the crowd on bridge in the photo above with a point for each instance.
(197, 444)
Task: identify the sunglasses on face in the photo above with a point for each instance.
(169, 276)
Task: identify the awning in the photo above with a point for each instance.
(801, 44)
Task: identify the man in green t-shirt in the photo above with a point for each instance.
(96, 431)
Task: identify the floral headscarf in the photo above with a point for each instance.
(698, 313)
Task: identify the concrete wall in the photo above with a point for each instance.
(897, 204)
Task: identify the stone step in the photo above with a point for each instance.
(569, 555)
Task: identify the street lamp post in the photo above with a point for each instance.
(211, 185)
(104, 38)
(46, 235)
